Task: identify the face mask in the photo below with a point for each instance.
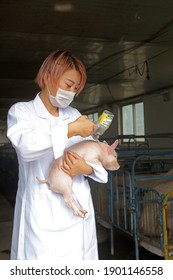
(62, 98)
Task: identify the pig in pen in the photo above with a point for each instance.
(154, 210)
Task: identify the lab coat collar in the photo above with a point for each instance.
(42, 112)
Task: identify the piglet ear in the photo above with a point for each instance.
(115, 144)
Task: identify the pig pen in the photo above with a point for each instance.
(132, 201)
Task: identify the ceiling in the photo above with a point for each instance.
(126, 46)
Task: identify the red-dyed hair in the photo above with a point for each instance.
(56, 64)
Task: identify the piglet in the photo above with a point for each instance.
(96, 152)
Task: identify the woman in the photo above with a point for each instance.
(40, 130)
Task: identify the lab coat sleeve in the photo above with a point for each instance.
(99, 173)
(59, 139)
(30, 136)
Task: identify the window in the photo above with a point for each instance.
(133, 120)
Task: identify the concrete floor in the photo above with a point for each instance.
(123, 245)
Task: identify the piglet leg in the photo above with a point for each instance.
(71, 203)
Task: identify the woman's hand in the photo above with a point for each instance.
(74, 165)
(81, 126)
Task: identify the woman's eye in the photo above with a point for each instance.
(70, 86)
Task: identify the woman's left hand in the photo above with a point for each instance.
(74, 165)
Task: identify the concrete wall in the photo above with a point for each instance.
(158, 111)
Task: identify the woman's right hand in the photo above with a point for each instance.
(81, 126)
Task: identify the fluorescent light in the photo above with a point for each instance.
(60, 7)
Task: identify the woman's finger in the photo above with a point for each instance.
(73, 154)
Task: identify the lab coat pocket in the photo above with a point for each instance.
(44, 213)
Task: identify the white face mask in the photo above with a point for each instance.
(62, 98)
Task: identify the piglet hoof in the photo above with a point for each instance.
(79, 214)
(79, 211)
(84, 211)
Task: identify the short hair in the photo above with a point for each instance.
(56, 64)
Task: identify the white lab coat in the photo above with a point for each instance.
(44, 227)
